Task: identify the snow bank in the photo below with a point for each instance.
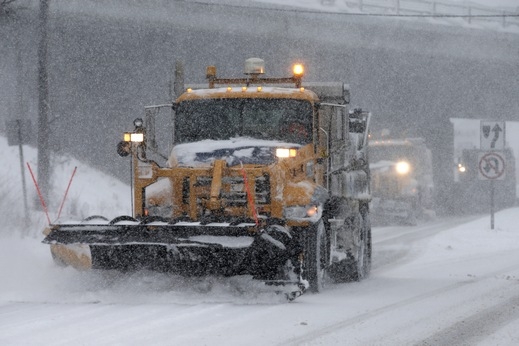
(91, 192)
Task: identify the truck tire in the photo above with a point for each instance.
(411, 218)
(361, 268)
(316, 258)
(366, 219)
(357, 263)
(413, 213)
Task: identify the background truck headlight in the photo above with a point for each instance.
(403, 167)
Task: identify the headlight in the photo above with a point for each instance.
(133, 137)
(461, 168)
(403, 167)
(137, 137)
(286, 152)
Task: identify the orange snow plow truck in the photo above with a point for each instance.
(267, 177)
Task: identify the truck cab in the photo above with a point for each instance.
(401, 180)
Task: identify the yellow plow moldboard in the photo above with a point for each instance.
(142, 234)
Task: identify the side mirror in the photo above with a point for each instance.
(123, 148)
(357, 121)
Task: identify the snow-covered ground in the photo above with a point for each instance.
(445, 282)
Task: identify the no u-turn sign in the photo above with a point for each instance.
(491, 166)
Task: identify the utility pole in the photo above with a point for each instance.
(178, 89)
(178, 82)
(43, 102)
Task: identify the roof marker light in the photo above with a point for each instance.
(298, 70)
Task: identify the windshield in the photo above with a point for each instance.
(391, 153)
(285, 120)
(396, 153)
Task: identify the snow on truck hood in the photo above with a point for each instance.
(237, 150)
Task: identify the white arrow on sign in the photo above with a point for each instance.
(492, 135)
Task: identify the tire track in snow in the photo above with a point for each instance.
(394, 233)
(387, 242)
(476, 327)
(363, 318)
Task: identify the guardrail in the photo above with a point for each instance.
(471, 13)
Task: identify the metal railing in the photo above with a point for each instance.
(470, 13)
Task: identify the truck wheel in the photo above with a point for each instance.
(355, 240)
(413, 213)
(367, 253)
(410, 219)
(316, 257)
(361, 267)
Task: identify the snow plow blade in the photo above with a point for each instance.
(190, 248)
(155, 233)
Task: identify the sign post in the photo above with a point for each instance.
(19, 133)
(491, 162)
(491, 167)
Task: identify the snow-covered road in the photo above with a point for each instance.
(445, 282)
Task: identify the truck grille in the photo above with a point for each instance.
(387, 186)
(233, 192)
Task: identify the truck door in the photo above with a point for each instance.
(333, 137)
